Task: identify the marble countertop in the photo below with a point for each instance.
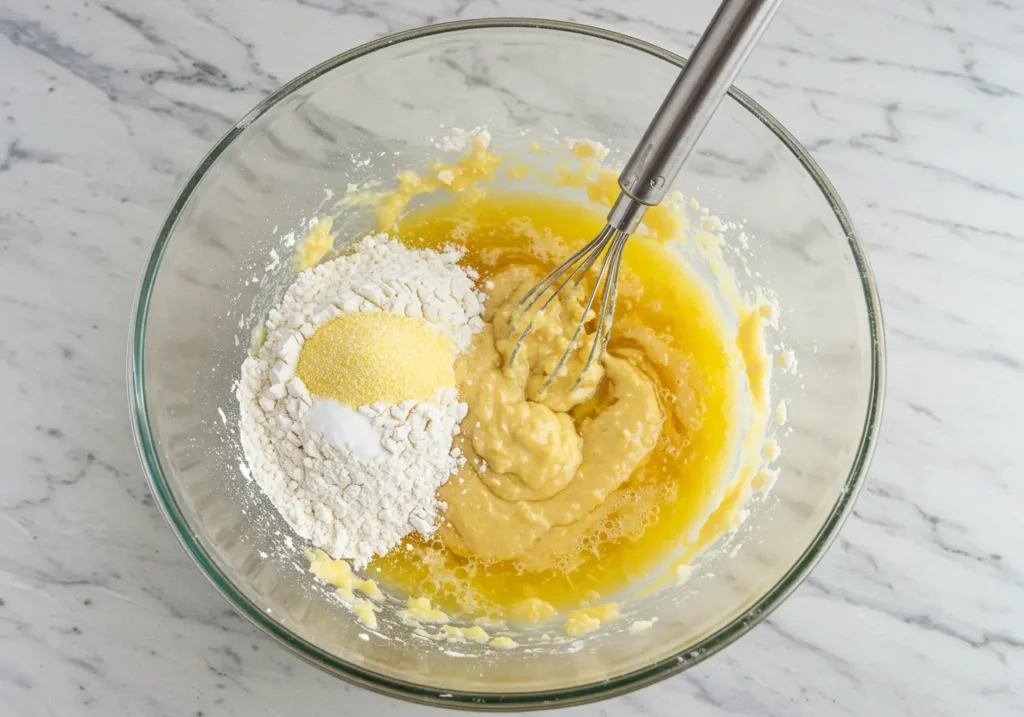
(915, 108)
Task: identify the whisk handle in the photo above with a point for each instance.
(693, 99)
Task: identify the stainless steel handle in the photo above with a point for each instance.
(686, 111)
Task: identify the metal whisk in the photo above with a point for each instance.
(654, 165)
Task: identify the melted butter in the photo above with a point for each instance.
(532, 610)
(588, 619)
(666, 327)
(662, 222)
(586, 149)
(364, 611)
(504, 643)
(476, 165)
(339, 574)
(474, 633)
(519, 170)
(315, 245)
(420, 610)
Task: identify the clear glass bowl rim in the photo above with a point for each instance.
(582, 694)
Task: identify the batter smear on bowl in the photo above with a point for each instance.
(418, 445)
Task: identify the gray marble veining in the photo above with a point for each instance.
(915, 109)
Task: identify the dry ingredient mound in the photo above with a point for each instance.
(351, 502)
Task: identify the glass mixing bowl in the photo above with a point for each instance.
(205, 288)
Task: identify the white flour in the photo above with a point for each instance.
(344, 494)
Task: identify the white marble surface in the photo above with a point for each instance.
(915, 108)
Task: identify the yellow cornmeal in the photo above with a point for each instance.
(539, 537)
(364, 357)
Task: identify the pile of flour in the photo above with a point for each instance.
(347, 499)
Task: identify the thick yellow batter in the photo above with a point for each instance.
(570, 496)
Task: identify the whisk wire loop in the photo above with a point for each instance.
(608, 297)
(609, 244)
(608, 266)
(576, 266)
